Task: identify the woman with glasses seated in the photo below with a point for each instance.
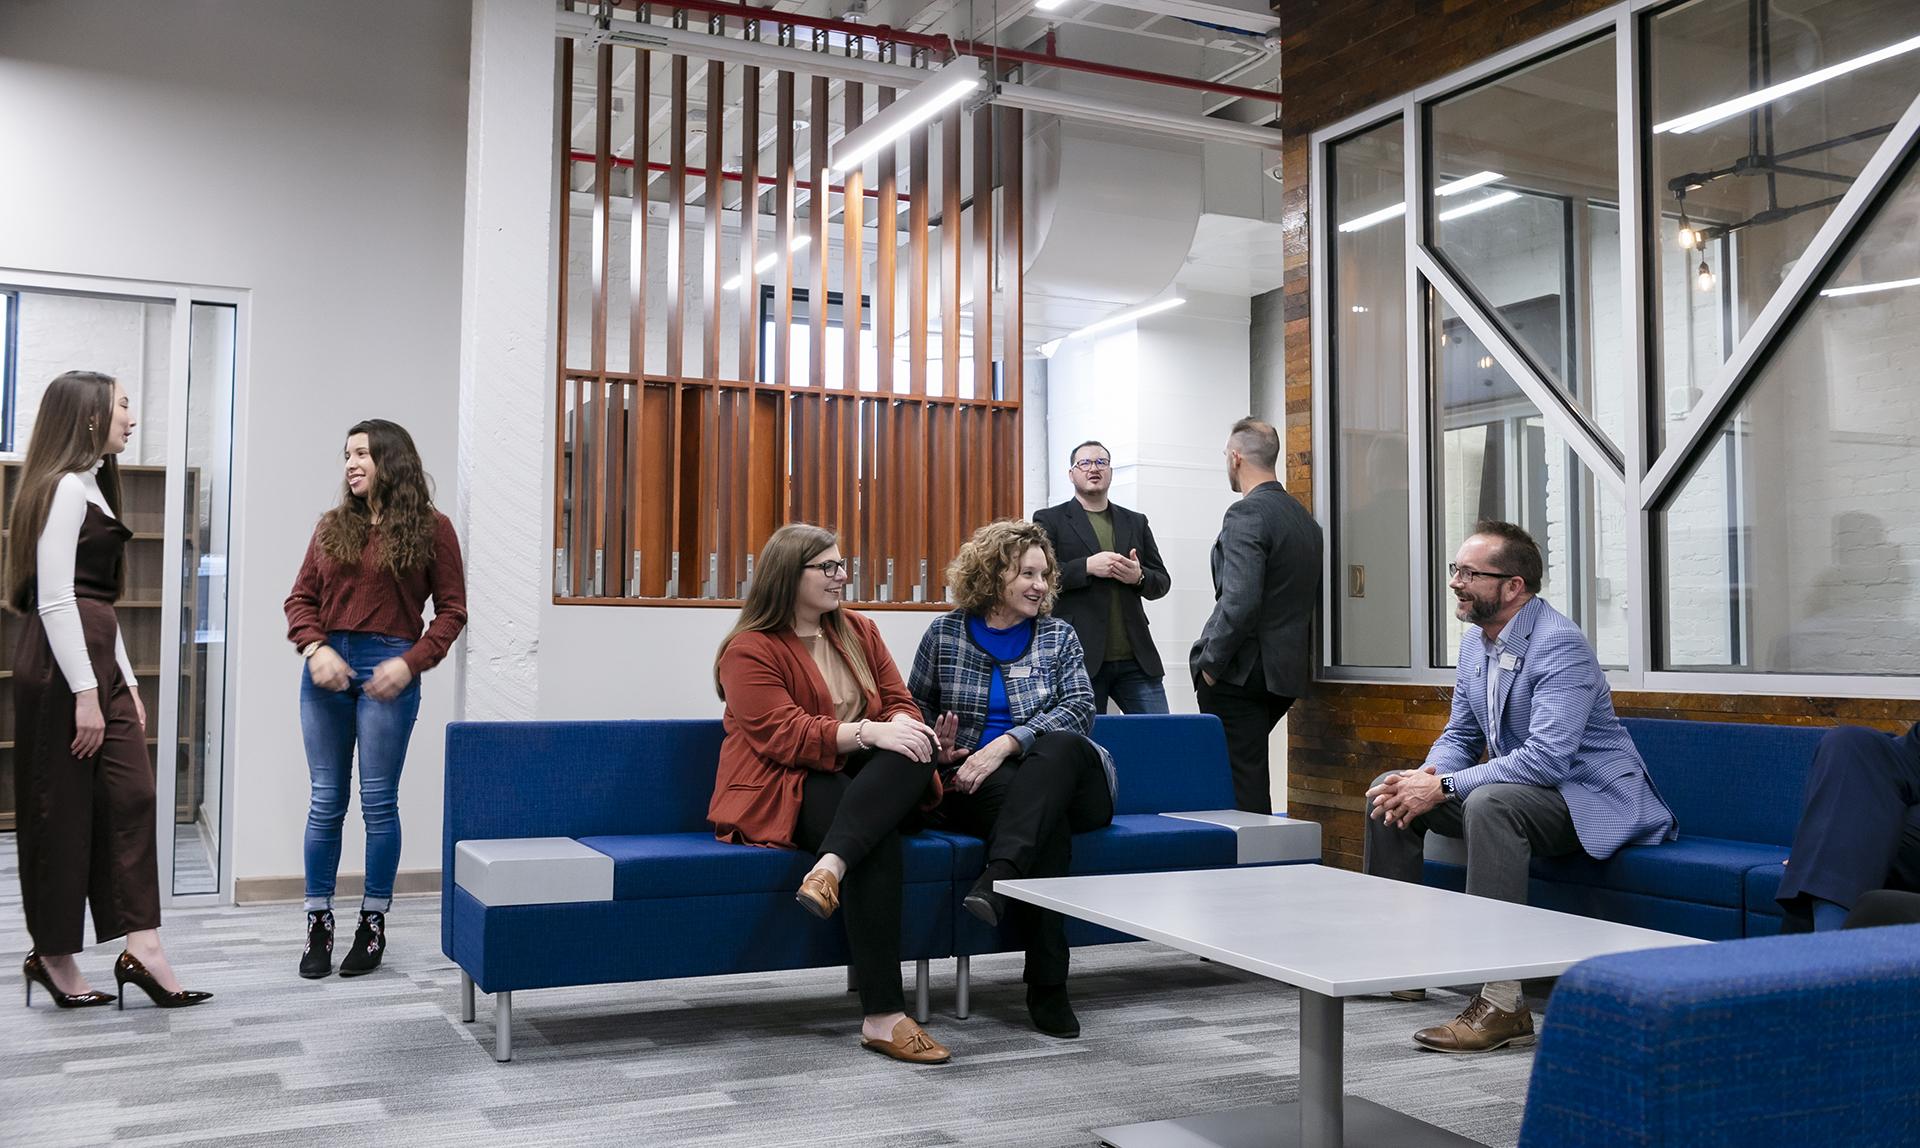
(1008, 683)
(825, 751)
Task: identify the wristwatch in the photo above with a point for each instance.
(1446, 784)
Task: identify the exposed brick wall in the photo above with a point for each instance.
(1340, 57)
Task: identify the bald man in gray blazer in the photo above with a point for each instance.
(1255, 655)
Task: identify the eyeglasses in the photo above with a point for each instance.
(1093, 464)
(1455, 570)
(832, 567)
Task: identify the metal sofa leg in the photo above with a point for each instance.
(922, 1006)
(466, 997)
(503, 1026)
(962, 985)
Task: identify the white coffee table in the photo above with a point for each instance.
(1331, 934)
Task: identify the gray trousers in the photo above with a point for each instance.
(1504, 826)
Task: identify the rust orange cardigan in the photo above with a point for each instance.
(780, 724)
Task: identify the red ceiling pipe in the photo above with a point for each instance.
(701, 173)
(880, 33)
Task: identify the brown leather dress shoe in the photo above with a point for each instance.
(819, 894)
(1481, 1028)
(910, 1043)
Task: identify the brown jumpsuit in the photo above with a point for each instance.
(86, 825)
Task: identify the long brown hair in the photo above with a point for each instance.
(400, 494)
(69, 436)
(776, 582)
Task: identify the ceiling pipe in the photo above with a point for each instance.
(882, 34)
(851, 68)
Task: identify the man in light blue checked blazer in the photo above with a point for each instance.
(1533, 760)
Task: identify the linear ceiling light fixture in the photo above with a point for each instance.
(1455, 187)
(1707, 117)
(1049, 5)
(1119, 318)
(766, 263)
(1869, 288)
(1479, 205)
(942, 87)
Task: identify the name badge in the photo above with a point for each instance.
(1508, 662)
(1019, 672)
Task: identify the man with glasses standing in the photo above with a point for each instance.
(1560, 775)
(1109, 566)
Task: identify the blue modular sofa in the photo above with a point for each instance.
(1774, 1042)
(1736, 790)
(579, 853)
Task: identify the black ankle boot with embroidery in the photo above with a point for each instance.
(317, 960)
(369, 945)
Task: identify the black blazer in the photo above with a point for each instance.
(1266, 585)
(1084, 600)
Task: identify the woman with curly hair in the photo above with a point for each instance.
(1005, 686)
(355, 616)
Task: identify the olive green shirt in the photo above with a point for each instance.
(1119, 647)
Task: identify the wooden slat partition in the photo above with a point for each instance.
(670, 473)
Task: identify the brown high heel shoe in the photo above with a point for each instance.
(819, 894)
(35, 969)
(129, 971)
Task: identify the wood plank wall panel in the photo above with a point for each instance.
(674, 464)
(1346, 734)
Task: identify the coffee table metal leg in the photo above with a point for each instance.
(1322, 1040)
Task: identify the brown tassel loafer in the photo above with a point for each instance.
(819, 894)
(910, 1043)
(1481, 1028)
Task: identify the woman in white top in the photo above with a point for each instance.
(83, 784)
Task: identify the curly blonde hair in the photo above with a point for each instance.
(977, 574)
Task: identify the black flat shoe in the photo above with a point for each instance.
(35, 972)
(129, 971)
(316, 960)
(369, 945)
(1051, 1011)
(982, 901)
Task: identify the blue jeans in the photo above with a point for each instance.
(331, 724)
(1132, 688)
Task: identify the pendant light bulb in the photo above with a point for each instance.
(1689, 236)
(1703, 278)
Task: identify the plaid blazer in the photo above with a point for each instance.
(1047, 686)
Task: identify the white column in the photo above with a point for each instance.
(506, 356)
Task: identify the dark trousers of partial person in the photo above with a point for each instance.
(857, 814)
(1860, 825)
(1504, 826)
(1879, 907)
(1249, 714)
(1027, 811)
(86, 825)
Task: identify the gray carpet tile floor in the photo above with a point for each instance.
(764, 1059)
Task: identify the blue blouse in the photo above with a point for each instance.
(1002, 646)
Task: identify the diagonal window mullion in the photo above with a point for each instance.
(1547, 398)
(1703, 423)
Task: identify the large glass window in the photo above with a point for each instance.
(1368, 355)
(1496, 458)
(1791, 546)
(1524, 191)
(1759, 117)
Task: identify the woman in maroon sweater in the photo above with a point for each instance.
(355, 616)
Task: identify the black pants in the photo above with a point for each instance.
(1884, 907)
(857, 814)
(1249, 712)
(1027, 811)
(1860, 826)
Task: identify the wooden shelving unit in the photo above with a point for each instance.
(143, 493)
